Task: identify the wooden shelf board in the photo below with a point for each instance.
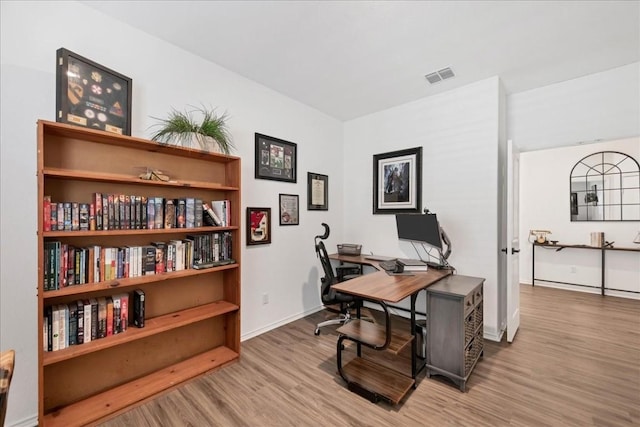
(102, 405)
(130, 179)
(379, 379)
(374, 334)
(129, 282)
(154, 231)
(152, 326)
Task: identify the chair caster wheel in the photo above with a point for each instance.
(316, 332)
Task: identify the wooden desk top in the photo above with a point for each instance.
(381, 286)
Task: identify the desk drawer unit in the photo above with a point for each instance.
(454, 327)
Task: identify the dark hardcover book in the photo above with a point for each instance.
(149, 262)
(67, 216)
(197, 211)
(45, 267)
(71, 266)
(143, 213)
(53, 217)
(76, 266)
(75, 216)
(111, 212)
(138, 308)
(48, 312)
(64, 262)
(97, 202)
(137, 212)
(209, 216)
(102, 317)
(124, 312)
(80, 322)
(169, 213)
(181, 213)
(83, 216)
(161, 257)
(126, 217)
(105, 212)
(73, 323)
(94, 318)
(122, 209)
(151, 213)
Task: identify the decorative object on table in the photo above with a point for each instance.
(199, 128)
(540, 236)
(397, 181)
(258, 226)
(597, 239)
(289, 209)
(154, 175)
(275, 159)
(91, 95)
(637, 239)
(607, 188)
(317, 192)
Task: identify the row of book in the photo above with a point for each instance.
(66, 265)
(87, 320)
(132, 212)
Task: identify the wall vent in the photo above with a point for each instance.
(438, 76)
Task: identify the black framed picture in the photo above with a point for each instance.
(91, 95)
(317, 192)
(289, 209)
(397, 181)
(258, 226)
(275, 159)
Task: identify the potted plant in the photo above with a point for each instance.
(183, 129)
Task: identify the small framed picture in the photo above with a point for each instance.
(397, 181)
(90, 95)
(317, 192)
(258, 226)
(275, 159)
(289, 209)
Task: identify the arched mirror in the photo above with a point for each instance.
(605, 186)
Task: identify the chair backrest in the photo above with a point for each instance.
(7, 362)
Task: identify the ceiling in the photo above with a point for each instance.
(351, 58)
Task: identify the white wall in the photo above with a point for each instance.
(544, 204)
(458, 131)
(163, 77)
(603, 106)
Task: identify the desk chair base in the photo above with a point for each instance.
(340, 320)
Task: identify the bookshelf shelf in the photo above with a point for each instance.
(90, 382)
(131, 282)
(152, 327)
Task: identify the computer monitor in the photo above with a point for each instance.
(422, 228)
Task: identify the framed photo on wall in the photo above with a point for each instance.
(91, 95)
(289, 209)
(317, 192)
(275, 159)
(397, 182)
(258, 226)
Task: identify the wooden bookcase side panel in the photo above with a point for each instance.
(194, 315)
(81, 377)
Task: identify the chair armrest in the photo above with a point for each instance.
(343, 271)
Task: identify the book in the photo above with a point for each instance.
(73, 324)
(80, 321)
(138, 308)
(83, 216)
(102, 317)
(116, 314)
(87, 320)
(169, 213)
(412, 264)
(181, 213)
(109, 316)
(46, 207)
(161, 257)
(190, 218)
(75, 216)
(220, 208)
(149, 261)
(159, 212)
(197, 212)
(94, 318)
(124, 312)
(53, 221)
(210, 216)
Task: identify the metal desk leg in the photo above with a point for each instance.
(602, 272)
(414, 344)
(533, 264)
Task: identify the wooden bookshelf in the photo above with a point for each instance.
(86, 383)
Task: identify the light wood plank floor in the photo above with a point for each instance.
(575, 362)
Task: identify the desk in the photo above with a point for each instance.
(365, 377)
(558, 247)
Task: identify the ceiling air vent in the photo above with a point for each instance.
(436, 76)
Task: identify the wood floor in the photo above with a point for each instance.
(574, 362)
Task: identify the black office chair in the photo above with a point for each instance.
(329, 296)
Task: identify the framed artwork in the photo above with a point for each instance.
(90, 95)
(289, 209)
(275, 159)
(258, 226)
(397, 182)
(317, 192)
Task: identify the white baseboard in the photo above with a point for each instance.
(279, 323)
(31, 421)
(607, 292)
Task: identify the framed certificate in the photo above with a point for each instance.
(90, 95)
(317, 192)
(289, 209)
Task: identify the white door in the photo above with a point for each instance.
(513, 241)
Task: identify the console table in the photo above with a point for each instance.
(558, 247)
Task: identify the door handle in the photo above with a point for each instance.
(503, 250)
(514, 251)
